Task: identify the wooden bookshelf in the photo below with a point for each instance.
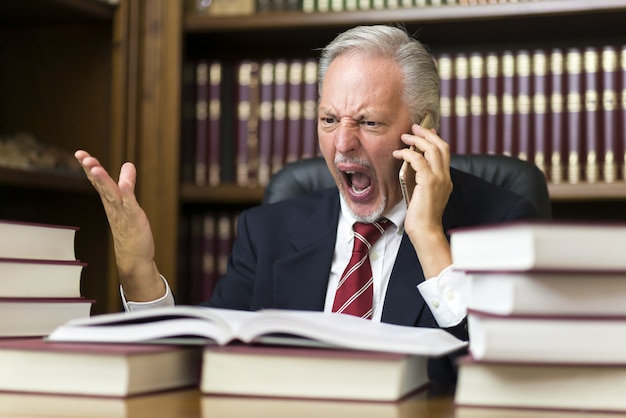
(57, 83)
(298, 34)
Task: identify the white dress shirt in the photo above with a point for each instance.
(446, 295)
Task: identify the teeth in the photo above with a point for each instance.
(358, 191)
(350, 172)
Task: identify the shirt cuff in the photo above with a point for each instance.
(166, 300)
(447, 296)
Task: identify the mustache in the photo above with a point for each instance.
(353, 160)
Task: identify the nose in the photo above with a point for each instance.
(347, 136)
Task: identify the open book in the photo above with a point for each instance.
(223, 326)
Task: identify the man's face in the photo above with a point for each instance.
(361, 119)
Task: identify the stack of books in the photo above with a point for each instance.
(281, 353)
(39, 279)
(546, 318)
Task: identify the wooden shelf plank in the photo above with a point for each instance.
(233, 194)
(55, 180)
(429, 14)
(588, 191)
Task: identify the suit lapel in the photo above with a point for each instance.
(403, 302)
(301, 276)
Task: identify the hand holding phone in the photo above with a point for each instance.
(407, 173)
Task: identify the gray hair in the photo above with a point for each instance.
(421, 80)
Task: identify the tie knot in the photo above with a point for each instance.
(365, 235)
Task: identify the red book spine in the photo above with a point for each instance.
(214, 120)
(243, 116)
(202, 95)
(477, 103)
(609, 62)
(294, 110)
(280, 114)
(266, 101)
(309, 111)
(225, 237)
(540, 108)
(461, 103)
(253, 126)
(209, 257)
(508, 102)
(557, 118)
(493, 106)
(574, 103)
(593, 147)
(523, 105)
(622, 134)
(444, 65)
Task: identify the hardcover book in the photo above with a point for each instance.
(201, 132)
(592, 150)
(560, 293)
(224, 326)
(27, 278)
(547, 338)
(574, 104)
(303, 373)
(610, 111)
(112, 370)
(565, 387)
(37, 241)
(519, 246)
(37, 317)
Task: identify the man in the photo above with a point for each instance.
(376, 85)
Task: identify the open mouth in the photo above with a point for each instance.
(358, 182)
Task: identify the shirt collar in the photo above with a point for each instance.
(395, 215)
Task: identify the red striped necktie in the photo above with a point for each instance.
(356, 285)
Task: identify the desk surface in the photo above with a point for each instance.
(191, 404)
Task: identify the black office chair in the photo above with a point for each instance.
(519, 176)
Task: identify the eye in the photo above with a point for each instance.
(327, 120)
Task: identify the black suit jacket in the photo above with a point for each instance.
(283, 254)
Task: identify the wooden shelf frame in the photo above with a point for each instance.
(420, 15)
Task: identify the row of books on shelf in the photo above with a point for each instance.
(561, 108)
(242, 121)
(546, 319)
(208, 238)
(39, 278)
(249, 7)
